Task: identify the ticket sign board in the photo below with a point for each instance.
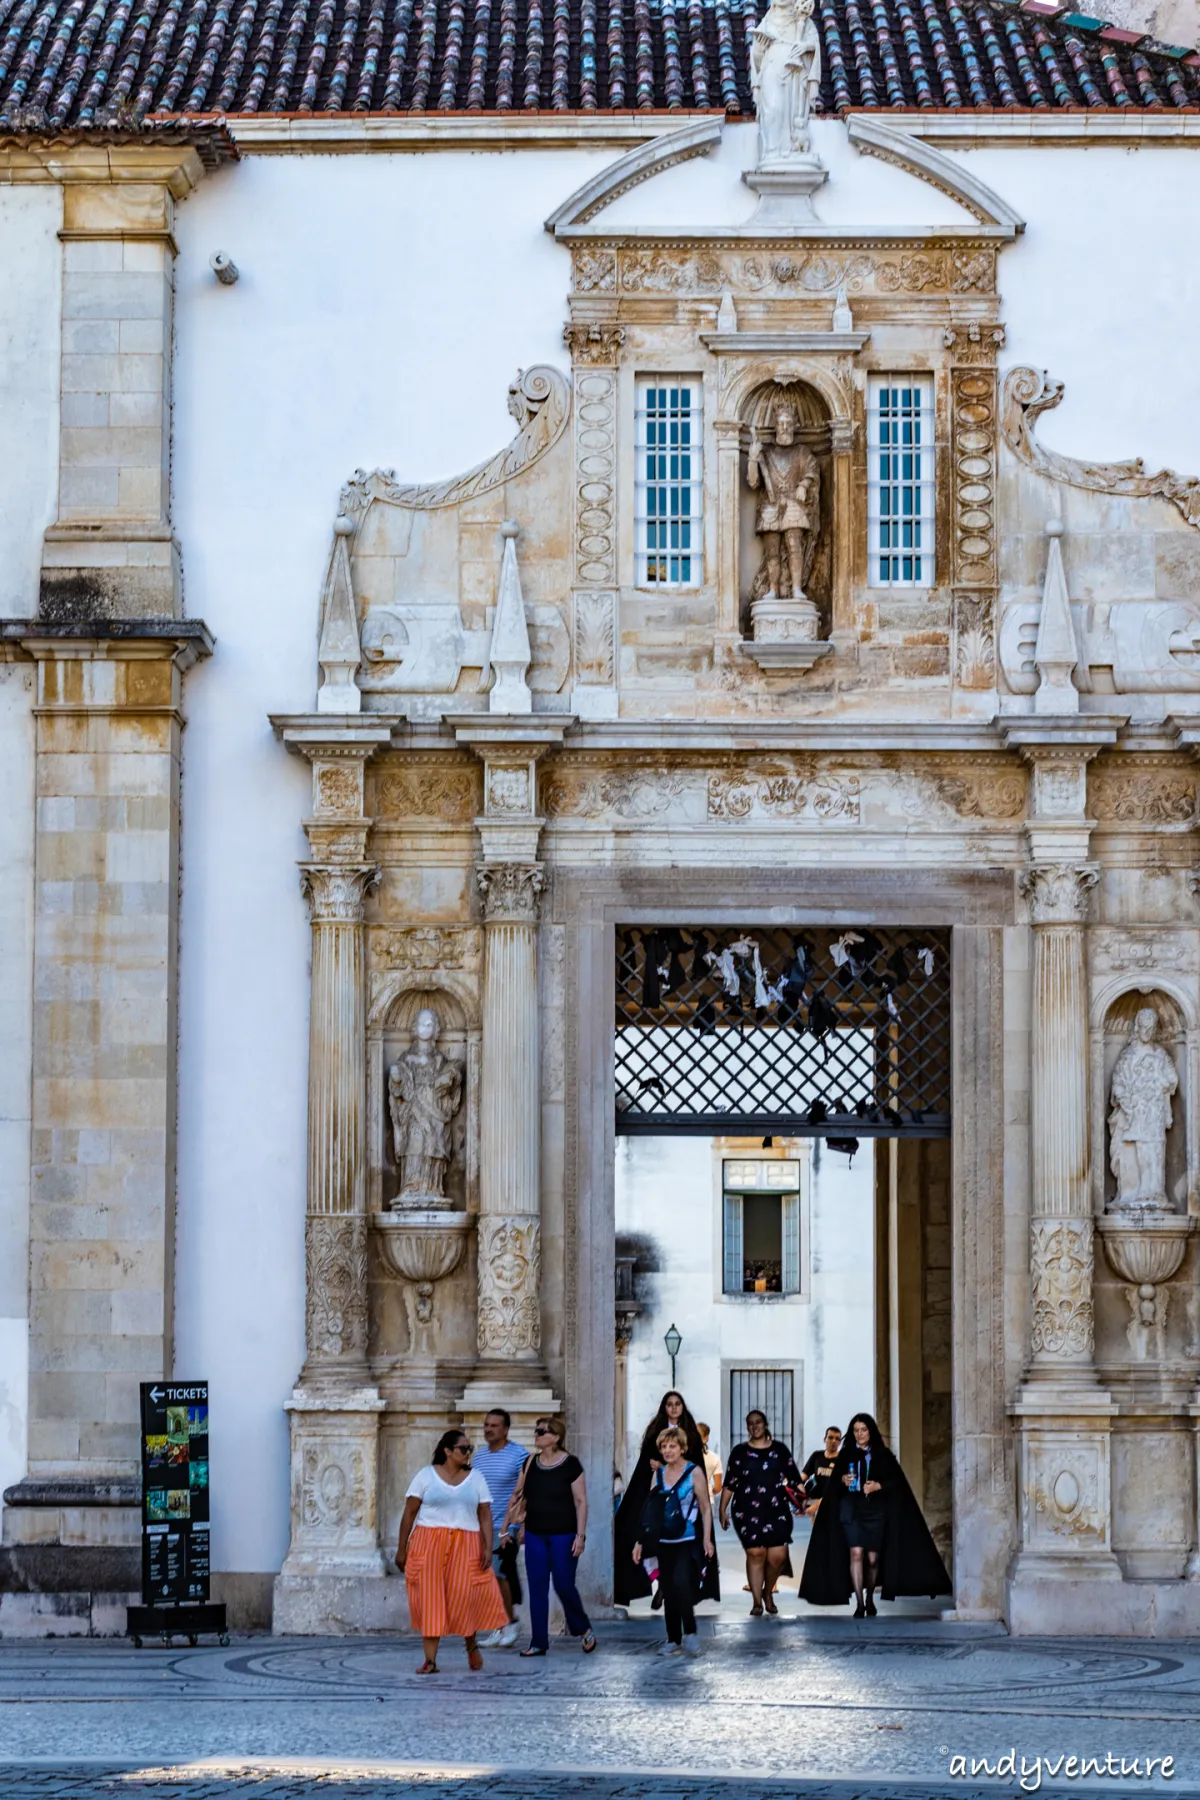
(175, 1561)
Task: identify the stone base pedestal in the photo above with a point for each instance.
(1112, 1609)
(1066, 1503)
(785, 193)
(333, 1577)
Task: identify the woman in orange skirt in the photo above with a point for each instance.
(445, 1552)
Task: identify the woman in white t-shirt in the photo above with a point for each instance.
(445, 1552)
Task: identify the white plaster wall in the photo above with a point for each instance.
(384, 304)
(30, 312)
(383, 307)
(667, 1190)
(16, 1057)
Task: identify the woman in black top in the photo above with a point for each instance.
(551, 1498)
(757, 1477)
(630, 1580)
(873, 1534)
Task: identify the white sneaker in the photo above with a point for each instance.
(487, 1640)
(507, 1638)
(691, 1644)
(668, 1649)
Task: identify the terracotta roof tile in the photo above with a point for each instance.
(66, 63)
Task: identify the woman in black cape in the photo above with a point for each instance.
(861, 1539)
(630, 1581)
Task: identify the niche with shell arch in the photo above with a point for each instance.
(389, 1034)
(1108, 1042)
(756, 414)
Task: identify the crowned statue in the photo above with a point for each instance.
(424, 1093)
(1144, 1081)
(785, 76)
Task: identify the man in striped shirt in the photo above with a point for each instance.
(500, 1462)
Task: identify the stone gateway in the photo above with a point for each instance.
(588, 730)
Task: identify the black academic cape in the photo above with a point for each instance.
(630, 1580)
(908, 1563)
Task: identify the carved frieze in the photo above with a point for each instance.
(335, 1260)
(428, 947)
(435, 788)
(337, 788)
(1122, 951)
(973, 429)
(738, 795)
(510, 1256)
(1133, 792)
(968, 268)
(1061, 1267)
(590, 793)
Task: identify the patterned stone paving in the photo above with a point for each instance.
(798, 1710)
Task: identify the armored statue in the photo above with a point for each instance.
(1143, 1083)
(788, 478)
(785, 75)
(424, 1093)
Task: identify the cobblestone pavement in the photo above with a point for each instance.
(818, 1710)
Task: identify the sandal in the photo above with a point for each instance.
(589, 1642)
(769, 1603)
(474, 1659)
(532, 1652)
(756, 1612)
(428, 1668)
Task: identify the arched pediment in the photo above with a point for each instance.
(871, 137)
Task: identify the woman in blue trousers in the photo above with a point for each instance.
(550, 1499)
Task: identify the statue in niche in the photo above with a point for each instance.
(785, 76)
(1143, 1083)
(424, 1093)
(789, 510)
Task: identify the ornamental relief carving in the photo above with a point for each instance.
(511, 892)
(450, 793)
(591, 793)
(1125, 793)
(974, 643)
(969, 268)
(428, 947)
(593, 344)
(336, 893)
(782, 795)
(333, 1487)
(595, 465)
(1061, 1277)
(510, 1255)
(595, 638)
(973, 427)
(335, 1264)
(974, 343)
(1058, 893)
(337, 788)
(1124, 950)
(1064, 1494)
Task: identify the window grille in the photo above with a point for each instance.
(900, 490)
(812, 1032)
(772, 1392)
(669, 489)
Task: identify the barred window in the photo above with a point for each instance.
(669, 492)
(900, 481)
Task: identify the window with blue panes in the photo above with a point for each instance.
(669, 489)
(900, 492)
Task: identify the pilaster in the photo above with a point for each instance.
(1064, 1416)
(510, 1370)
(333, 1562)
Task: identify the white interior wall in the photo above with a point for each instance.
(668, 1191)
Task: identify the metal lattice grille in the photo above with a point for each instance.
(818, 1033)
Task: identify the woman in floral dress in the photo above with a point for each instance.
(757, 1478)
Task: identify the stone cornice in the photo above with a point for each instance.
(356, 133)
(100, 640)
(978, 129)
(175, 156)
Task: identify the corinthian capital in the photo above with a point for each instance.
(336, 892)
(511, 892)
(1059, 893)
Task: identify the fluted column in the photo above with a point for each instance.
(1061, 1247)
(509, 1234)
(335, 1247)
